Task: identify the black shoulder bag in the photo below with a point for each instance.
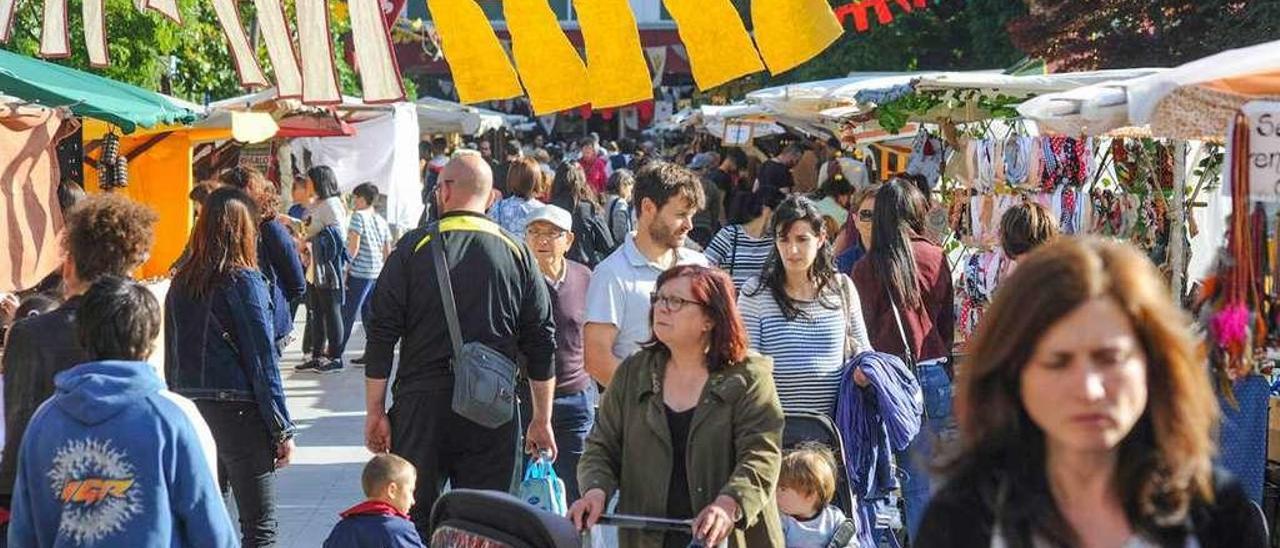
(484, 380)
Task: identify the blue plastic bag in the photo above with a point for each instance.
(542, 488)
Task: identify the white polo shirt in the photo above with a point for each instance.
(620, 290)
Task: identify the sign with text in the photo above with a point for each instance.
(1264, 149)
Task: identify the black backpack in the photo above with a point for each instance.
(592, 241)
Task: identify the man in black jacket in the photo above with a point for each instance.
(105, 234)
(502, 302)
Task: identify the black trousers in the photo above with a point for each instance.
(326, 326)
(246, 467)
(446, 447)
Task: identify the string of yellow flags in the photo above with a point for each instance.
(549, 69)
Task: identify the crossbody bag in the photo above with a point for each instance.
(484, 379)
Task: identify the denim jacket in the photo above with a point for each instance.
(329, 254)
(279, 261)
(222, 347)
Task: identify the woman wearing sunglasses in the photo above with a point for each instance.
(663, 432)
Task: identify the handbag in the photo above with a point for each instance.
(845, 298)
(542, 488)
(484, 379)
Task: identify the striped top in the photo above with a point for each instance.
(748, 261)
(374, 237)
(808, 352)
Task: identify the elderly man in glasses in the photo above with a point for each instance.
(549, 234)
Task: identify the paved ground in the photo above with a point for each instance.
(324, 478)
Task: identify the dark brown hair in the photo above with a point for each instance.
(1026, 226)
(714, 291)
(118, 319)
(1164, 463)
(524, 177)
(256, 185)
(225, 240)
(659, 181)
(109, 234)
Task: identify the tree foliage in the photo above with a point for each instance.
(1074, 35)
(190, 61)
(947, 35)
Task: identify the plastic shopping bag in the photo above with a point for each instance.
(542, 488)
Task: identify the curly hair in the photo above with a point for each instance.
(255, 184)
(109, 234)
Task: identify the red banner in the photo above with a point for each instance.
(862, 22)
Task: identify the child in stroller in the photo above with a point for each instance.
(806, 486)
(807, 427)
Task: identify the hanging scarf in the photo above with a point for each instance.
(1017, 160)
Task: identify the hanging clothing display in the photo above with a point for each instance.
(927, 155)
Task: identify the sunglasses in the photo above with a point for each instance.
(865, 215)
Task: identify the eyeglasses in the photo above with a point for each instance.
(671, 302)
(544, 235)
(866, 215)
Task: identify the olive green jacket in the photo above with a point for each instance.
(735, 447)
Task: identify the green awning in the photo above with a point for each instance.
(89, 95)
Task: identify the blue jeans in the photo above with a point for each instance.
(572, 416)
(358, 291)
(938, 427)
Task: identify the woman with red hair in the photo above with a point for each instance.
(675, 408)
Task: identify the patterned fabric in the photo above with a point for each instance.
(1243, 437)
(512, 213)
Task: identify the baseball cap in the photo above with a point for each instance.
(555, 215)
(700, 161)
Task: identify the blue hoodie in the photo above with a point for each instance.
(119, 461)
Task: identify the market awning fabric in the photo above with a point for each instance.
(87, 94)
(1192, 101)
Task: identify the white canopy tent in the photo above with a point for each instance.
(1192, 101)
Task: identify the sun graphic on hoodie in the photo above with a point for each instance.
(96, 485)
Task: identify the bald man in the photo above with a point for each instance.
(502, 302)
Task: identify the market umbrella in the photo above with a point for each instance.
(86, 94)
(1193, 101)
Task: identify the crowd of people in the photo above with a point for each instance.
(661, 318)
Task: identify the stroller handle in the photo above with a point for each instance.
(658, 525)
(646, 523)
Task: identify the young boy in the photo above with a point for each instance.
(806, 486)
(381, 521)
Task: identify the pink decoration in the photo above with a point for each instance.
(1231, 326)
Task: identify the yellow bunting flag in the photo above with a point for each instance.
(718, 44)
(790, 32)
(480, 67)
(552, 72)
(616, 71)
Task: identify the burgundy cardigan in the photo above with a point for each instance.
(931, 327)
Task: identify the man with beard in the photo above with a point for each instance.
(666, 197)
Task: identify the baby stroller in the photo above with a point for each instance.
(803, 426)
(468, 518)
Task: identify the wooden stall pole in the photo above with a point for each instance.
(1178, 221)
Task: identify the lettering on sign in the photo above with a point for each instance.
(1264, 149)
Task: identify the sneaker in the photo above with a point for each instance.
(310, 364)
(330, 366)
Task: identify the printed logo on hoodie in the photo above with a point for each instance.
(95, 483)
